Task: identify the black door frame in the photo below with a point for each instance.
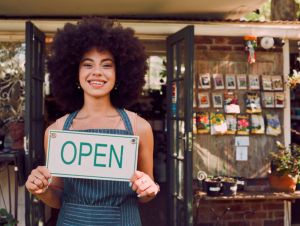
(180, 207)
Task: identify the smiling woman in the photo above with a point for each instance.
(96, 69)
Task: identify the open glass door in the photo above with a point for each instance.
(34, 117)
(180, 61)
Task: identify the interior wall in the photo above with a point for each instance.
(216, 154)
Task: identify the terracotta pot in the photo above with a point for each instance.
(285, 183)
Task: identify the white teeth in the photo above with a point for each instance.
(96, 83)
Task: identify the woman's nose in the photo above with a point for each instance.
(97, 70)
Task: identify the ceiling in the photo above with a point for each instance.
(199, 9)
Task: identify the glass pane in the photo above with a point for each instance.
(174, 99)
(181, 134)
(181, 98)
(180, 180)
(181, 62)
(174, 138)
(174, 61)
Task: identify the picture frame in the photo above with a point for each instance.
(204, 101)
(218, 81)
(217, 100)
(241, 82)
(204, 81)
(266, 81)
(279, 99)
(254, 83)
(230, 82)
(277, 83)
(268, 100)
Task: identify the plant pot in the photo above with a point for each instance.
(241, 182)
(213, 188)
(229, 188)
(285, 183)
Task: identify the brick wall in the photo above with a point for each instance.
(240, 213)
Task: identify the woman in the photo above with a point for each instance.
(96, 69)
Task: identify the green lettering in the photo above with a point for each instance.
(81, 153)
(63, 149)
(113, 152)
(99, 154)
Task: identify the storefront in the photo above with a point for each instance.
(196, 52)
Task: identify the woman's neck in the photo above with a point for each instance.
(97, 106)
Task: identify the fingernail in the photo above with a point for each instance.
(139, 195)
(130, 184)
(50, 180)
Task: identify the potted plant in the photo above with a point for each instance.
(6, 219)
(229, 186)
(285, 168)
(213, 186)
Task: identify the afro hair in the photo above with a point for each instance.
(74, 40)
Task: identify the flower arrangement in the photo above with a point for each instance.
(294, 79)
(285, 160)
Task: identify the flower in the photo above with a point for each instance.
(285, 160)
(294, 79)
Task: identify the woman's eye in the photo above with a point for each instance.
(107, 66)
(87, 65)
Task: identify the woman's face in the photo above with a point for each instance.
(97, 73)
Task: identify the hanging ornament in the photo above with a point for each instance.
(250, 45)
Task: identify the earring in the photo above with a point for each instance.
(78, 86)
(116, 87)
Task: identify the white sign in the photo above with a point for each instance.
(92, 155)
(241, 153)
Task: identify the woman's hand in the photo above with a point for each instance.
(38, 181)
(143, 185)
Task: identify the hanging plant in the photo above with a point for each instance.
(250, 45)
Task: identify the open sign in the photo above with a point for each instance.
(92, 155)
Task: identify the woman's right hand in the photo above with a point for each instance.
(38, 181)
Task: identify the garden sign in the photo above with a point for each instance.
(92, 155)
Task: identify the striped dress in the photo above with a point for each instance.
(87, 202)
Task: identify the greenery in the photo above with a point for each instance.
(285, 160)
(7, 217)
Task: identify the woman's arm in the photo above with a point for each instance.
(41, 184)
(142, 181)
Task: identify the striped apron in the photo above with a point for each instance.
(87, 202)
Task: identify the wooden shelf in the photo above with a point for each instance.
(250, 196)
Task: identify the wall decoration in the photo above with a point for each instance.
(279, 99)
(202, 123)
(257, 124)
(254, 83)
(277, 82)
(243, 125)
(231, 103)
(231, 124)
(253, 103)
(217, 99)
(242, 82)
(203, 100)
(266, 81)
(204, 81)
(218, 81)
(273, 124)
(230, 82)
(268, 100)
(218, 124)
(250, 45)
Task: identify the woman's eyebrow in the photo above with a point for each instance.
(103, 60)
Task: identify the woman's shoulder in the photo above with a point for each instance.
(59, 123)
(139, 124)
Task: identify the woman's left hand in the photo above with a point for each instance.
(143, 185)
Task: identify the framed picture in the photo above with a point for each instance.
(218, 81)
(268, 100)
(204, 81)
(279, 99)
(241, 81)
(254, 83)
(217, 99)
(203, 100)
(266, 81)
(277, 82)
(230, 82)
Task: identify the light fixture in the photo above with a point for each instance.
(267, 42)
